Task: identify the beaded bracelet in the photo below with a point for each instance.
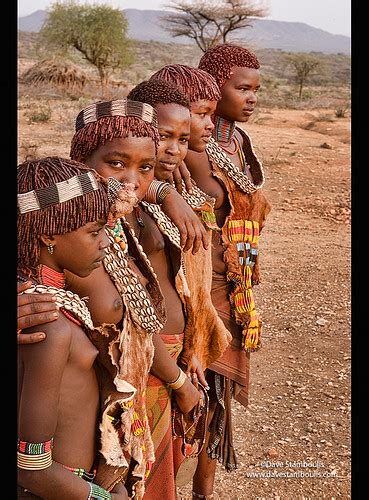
(181, 379)
(98, 493)
(163, 191)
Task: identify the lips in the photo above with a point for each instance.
(248, 111)
(168, 165)
(206, 138)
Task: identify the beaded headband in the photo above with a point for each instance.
(118, 107)
(40, 199)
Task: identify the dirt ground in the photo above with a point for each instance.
(293, 441)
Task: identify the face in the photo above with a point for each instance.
(81, 251)
(174, 129)
(130, 159)
(239, 95)
(201, 124)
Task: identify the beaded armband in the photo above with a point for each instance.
(157, 191)
(34, 456)
(98, 493)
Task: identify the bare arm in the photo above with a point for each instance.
(42, 369)
(165, 368)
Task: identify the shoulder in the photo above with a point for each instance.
(58, 339)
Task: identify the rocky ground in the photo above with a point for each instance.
(293, 441)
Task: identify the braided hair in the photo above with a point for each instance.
(195, 83)
(54, 216)
(103, 121)
(219, 60)
(159, 91)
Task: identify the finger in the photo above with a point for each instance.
(182, 233)
(177, 180)
(35, 303)
(36, 319)
(190, 238)
(202, 379)
(188, 182)
(24, 286)
(194, 379)
(30, 338)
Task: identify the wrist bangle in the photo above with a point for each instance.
(163, 192)
(177, 384)
(152, 192)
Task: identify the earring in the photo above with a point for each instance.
(50, 248)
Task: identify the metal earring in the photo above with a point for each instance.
(50, 248)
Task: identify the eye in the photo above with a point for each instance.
(147, 167)
(183, 140)
(116, 164)
(162, 137)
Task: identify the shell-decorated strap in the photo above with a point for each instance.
(129, 286)
(218, 156)
(67, 300)
(164, 222)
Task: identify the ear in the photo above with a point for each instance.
(47, 239)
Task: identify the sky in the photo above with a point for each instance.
(333, 16)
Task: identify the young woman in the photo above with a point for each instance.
(62, 212)
(233, 175)
(185, 303)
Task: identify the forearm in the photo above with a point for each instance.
(164, 366)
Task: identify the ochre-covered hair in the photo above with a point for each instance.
(158, 91)
(45, 212)
(103, 121)
(195, 83)
(219, 60)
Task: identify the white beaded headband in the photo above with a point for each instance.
(118, 107)
(39, 199)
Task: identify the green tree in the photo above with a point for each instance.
(303, 65)
(209, 22)
(98, 32)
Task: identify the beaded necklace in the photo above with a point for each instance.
(50, 277)
(224, 129)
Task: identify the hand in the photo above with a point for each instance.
(34, 309)
(197, 373)
(119, 492)
(182, 174)
(186, 396)
(192, 231)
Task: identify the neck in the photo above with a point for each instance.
(224, 129)
(50, 277)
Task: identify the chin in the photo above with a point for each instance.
(198, 148)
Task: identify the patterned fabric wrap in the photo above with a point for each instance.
(245, 234)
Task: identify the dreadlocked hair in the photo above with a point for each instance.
(60, 217)
(219, 60)
(159, 91)
(195, 83)
(95, 134)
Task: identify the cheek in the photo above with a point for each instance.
(144, 183)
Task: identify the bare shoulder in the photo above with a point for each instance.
(195, 162)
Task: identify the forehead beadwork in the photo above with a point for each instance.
(117, 107)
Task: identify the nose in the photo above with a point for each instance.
(209, 124)
(251, 97)
(172, 147)
(128, 176)
(104, 242)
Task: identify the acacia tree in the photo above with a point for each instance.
(303, 65)
(98, 32)
(208, 22)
